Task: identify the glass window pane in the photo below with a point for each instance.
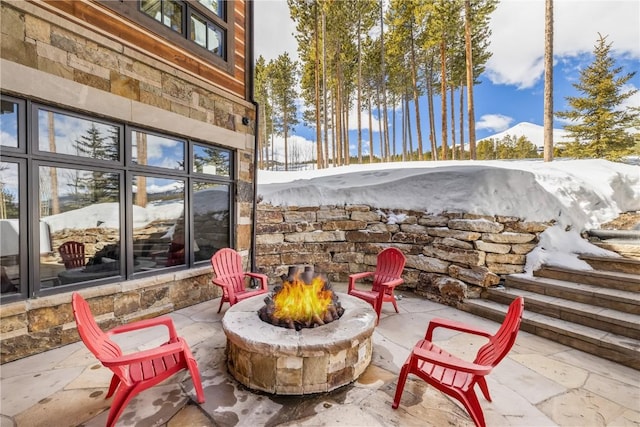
(211, 160)
(158, 222)
(153, 8)
(8, 123)
(59, 133)
(198, 31)
(214, 40)
(9, 228)
(82, 207)
(211, 214)
(172, 15)
(213, 5)
(157, 151)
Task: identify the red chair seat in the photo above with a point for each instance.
(387, 275)
(138, 371)
(227, 267)
(453, 375)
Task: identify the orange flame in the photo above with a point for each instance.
(299, 301)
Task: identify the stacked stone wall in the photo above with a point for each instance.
(450, 256)
(36, 325)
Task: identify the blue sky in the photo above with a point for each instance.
(512, 86)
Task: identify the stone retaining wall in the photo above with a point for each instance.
(36, 325)
(450, 256)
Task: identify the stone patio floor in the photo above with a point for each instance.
(540, 383)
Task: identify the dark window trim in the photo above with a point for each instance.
(35, 135)
(150, 168)
(22, 125)
(131, 10)
(30, 161)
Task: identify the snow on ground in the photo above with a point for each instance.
(577, 194)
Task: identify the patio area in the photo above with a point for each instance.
(540, 383)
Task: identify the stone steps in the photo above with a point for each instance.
(622, 265)
(595, 311)
(624, 242)
(609, 279)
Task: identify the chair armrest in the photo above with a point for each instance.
(264, 280)
(146, 323)
(454, 325)
(358, 276)
(393, 283)
(451, 362)
(142, 356)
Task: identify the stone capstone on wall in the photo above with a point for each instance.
(450, 256)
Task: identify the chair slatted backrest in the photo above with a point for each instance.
(499, 345)
(389, 266)
(92, 336)
(227, 265)
(72, 254)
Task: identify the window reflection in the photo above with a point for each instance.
(210, 218)
(158, 151)
(213, 5)
(206, 35)
(9, 228)
(211, 160)
(80, 225)
(60, 133)
(169, 12)
(8, 123)
(158, 222)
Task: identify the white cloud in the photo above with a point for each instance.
(517, 40)
(274, 30)
(299, 149)
(494, 122)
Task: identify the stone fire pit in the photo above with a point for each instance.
(278, 360)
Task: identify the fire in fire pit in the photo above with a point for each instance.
(302, 301)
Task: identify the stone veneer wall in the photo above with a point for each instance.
(64, 61)
(450, 256)
(36, 325)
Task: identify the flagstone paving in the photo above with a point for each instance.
(540, 383)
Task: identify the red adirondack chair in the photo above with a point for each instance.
(389, 267)
(227, 266)
(135, 372)
(72, 254)
(457, 377)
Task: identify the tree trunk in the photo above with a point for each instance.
(469, 63)
(432, 120)
(370, 130)
(461, 121)
(443, 96)
(453, 124)
(416, 97)
(317, 92)
(548, 81)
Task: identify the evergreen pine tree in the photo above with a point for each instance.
(599, 124)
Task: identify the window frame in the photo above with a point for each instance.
(21, 125)
(30, 159)
(131, 9)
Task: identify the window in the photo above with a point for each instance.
(205, 25)
(80, 206)
(206, 34)
(10, 224)
(9, 123)
(108, 201)
(75, 136)
(168, 12)
(159, 151)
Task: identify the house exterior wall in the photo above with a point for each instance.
(84, 57)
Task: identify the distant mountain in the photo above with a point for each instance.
(533, 133)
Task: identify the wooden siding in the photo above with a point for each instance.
(96, 17)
